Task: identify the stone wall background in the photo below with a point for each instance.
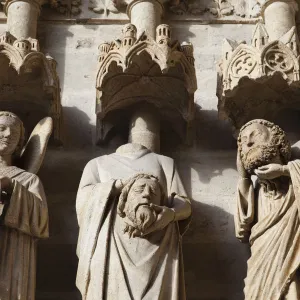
(215, 262)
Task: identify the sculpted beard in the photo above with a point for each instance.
(140, 214)
(259, 156)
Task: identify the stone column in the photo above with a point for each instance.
(145, 127)
(279, 17)
(22, 18)
(145, 15)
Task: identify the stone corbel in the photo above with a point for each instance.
(29, 83)
(144, 68)
(258, 80)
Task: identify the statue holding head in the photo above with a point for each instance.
(268, 213)
(137, 201)
(132, 211)
(23, 207)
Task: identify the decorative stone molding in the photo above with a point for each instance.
(226, 9)
(107, 6)
(67, 7)
(28, 76)
(218, 8)
(258, 80)
(139, 68)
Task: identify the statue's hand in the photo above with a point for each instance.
(131, 230)
(6, 184)
(165, 216)
(120, 183)
(240, 167)
(272, 171)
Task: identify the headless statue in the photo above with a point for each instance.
(132, 212)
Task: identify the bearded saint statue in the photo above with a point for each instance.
(132, 212)
(23, 207)
(268, 212)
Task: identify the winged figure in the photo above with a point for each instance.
(23, 206)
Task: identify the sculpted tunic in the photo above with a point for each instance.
(25, 220)
(271, 222)
(112, 265)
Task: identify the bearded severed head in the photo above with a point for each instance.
(136, 199)
(260, 142)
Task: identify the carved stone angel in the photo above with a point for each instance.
(23, 207)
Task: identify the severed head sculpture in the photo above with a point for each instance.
(29, 155)
(261, 142)
(135, 203)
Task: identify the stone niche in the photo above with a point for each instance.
(29, 84)
(136, 69)
(261, 79)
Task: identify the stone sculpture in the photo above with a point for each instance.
(29, 84)
(132, 211)
(23, 207)
(268, 213)
(260, 79)
(144, 61)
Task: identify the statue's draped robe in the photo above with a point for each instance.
(272, 226)
(112, 265)
(25, 220)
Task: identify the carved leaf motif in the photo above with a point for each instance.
(221, 8)
(106, 6)
(66, 6)
(97, 6)
(255, 9)
(240, 8)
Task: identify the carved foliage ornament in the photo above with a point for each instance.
(25, 58)
(218, 8)
(258, 80)
(261, 59)
(65, 7)
(162, 51)
(137, 69)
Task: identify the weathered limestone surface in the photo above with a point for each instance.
(23, 206)
(207, 169)
(267, 213)
(215, 263)
(261, 79)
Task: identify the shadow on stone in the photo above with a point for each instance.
(215, 262)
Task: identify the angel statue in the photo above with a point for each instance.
(268, 212)
(23, 207)
(132, 212)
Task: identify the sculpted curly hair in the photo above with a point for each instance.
(20, 145)
(127, 187)
(278, 138)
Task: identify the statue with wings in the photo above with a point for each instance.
(23, 206)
